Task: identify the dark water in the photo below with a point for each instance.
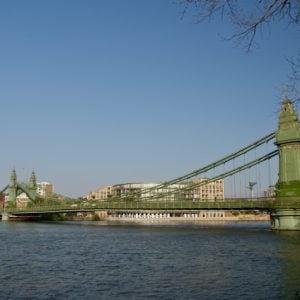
(188, 261)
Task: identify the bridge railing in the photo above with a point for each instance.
(236, 204)
(286, 203)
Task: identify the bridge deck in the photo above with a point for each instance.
(114, 206)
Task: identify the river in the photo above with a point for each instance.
(101, 260)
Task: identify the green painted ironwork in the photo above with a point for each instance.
(220, 176)
(263, 204)
(288, 142)
(213, 165)
(12, 187)
(15, 188)
(287, 188)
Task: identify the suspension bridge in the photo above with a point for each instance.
(264, 175)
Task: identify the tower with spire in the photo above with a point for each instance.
(288, 142)
(32, 182)
(12, 187)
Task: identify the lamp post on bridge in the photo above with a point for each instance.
(250, 187)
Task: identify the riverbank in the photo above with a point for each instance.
(204, 216)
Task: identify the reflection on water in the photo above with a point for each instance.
(103, 260)
(290, 261)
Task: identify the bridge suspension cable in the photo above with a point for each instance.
(217, 163)
(207, 168)
(217, 177)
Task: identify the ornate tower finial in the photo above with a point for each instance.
(288, 117)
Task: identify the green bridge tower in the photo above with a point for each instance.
(32, 186)
(288, 185)
(12, 188)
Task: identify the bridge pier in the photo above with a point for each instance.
(4, 216)
(288, 185)
(285, 219)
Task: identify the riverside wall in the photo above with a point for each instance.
(178, 216)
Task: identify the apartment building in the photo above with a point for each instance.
(196, 190)
(207, 190)
(103, 193)
(45, 189)
(149, 191)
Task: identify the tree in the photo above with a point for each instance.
(247, 17)
(295, 66)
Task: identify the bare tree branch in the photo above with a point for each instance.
(248, 17)
(294, 78)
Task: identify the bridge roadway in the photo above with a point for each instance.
(261, 204)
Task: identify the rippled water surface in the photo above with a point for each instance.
(98, 260)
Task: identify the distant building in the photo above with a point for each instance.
(196, 190)
(45, 189)
(22, 200)
(213, 190)
(271, 192)
(103, 193)
(149, 190)
(2, 200)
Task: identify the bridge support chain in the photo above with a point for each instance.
(285, 219)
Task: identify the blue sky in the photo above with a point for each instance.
(104, 92)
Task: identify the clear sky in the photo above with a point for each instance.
(100, 92)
